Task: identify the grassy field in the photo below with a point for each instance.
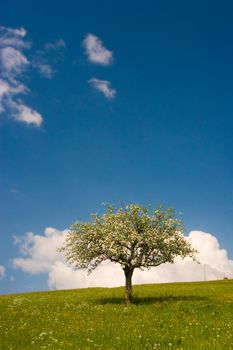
(164, 316)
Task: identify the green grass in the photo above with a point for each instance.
(164, 316)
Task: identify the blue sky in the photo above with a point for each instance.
(122, 102)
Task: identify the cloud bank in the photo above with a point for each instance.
(103, 86)
(95, 50)
(38, 255)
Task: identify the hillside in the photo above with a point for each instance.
(163, 316)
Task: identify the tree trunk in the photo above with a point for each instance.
(128, 284)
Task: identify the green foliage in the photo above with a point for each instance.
(178, 316)
(133, 236)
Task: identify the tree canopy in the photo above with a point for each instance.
(132, 236)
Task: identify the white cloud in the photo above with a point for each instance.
(13, 38)
(27, 115)
(4, 88)
(2, 271)
(104, 86)
(45, 69)
(62, 276)
(17, 32)
(14, 87)
(13, 63)
(46, 59)
(7, 91)
(95, 50)
(39, 255)
(40, 252)
(58, 44)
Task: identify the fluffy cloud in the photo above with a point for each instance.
(62, 276)
(39, 252)
(104, 86)
(27, 115)
(13, 38)
(5, 90)
(13, 63)
(2, 271)
(39, 255)
(8, 90)
(13, 88)
(95, 51)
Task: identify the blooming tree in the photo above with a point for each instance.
(133, 236)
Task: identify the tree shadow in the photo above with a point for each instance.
(150, 300)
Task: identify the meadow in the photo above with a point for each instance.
(190, 316)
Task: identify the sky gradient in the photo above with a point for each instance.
(135, 101)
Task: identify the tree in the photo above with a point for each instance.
(133, 236)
